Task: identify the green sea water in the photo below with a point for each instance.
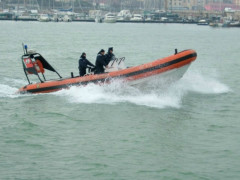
(188, 130)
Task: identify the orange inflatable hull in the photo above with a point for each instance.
(129, 74)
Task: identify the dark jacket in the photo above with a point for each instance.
(108, 57)
(83, 64)
(100, 62)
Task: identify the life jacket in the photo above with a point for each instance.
(39, 67)
(30, 66)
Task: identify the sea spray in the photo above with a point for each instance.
(196, 81)
(151, 95)
(120, 92)
(8, 91)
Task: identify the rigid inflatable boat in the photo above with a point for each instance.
(35, 64)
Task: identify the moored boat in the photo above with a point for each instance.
(98, 19)
(234, 24)
(124, 15)
(136, 17)
(110, 18)
(176, 64)
(66, 18)
(203, 22)
(44, 18)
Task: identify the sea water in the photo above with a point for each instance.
(185, 130)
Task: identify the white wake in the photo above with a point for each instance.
(158, 95)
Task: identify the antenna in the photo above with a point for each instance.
(24, 48)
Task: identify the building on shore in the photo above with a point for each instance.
(237, 2)
(218, 6)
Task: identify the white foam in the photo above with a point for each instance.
(119, 92)
(202, 83)
(157, 97)
(10, 86)
(152, 95)
(8, 91)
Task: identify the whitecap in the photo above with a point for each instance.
(203, 83)
(8, 91)
(157, 95)
(120, 92)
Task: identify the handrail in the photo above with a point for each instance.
(121, 59)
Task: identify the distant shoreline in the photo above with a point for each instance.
(118, 21)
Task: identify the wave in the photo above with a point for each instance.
(203, 83)
(8, 91)
(9, 87)
(157, 96)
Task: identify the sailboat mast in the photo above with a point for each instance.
(166, 5)
(18, 7)
(72, 7)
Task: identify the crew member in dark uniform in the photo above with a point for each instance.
(100, 62)
(109, 56)
(83, 64)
